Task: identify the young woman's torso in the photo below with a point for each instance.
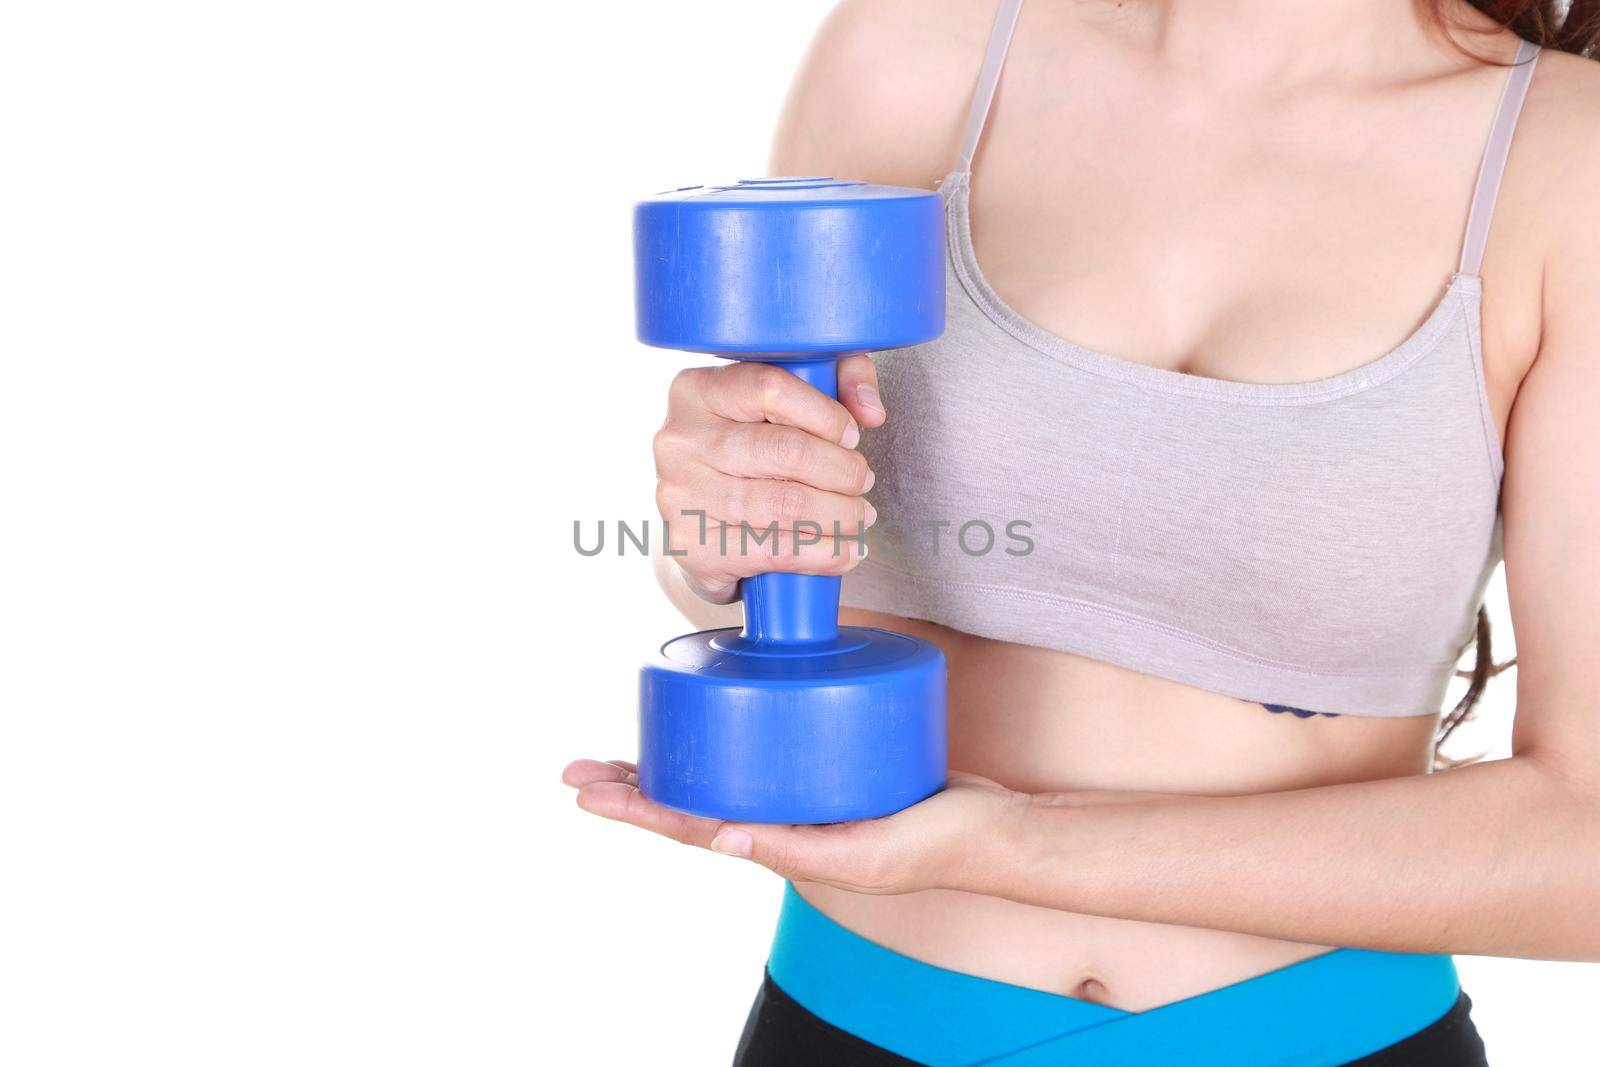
(1175, 213)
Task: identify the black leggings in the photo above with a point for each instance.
(780, 1033)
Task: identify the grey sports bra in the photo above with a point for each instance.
(1322, 545)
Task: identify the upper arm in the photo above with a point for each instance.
(882, 91)
(1551, 493)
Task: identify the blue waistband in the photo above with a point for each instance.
(1328, 1010)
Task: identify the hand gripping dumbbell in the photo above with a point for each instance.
(793, 718)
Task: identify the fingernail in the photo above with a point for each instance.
(732, 843)
(872, 513)
(872, 480)
(852, 435)
(868, 397)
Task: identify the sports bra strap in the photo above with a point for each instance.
(1495, 154)
(1005, 22)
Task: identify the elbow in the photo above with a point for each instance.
(1571, 811)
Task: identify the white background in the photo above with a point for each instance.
(316, 335)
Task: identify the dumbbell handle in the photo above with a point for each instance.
(796, 609)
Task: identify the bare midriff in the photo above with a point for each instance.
(1042, 721)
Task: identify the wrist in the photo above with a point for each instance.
(1003, 855)
(1031, 858)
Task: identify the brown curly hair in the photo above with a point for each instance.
(1565, 25)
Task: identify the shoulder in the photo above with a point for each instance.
(1564, 106)
(1560, 156)
(1544, 264)
(1557, 148)
(1548, 213)
(883, 90)
(1569, 83)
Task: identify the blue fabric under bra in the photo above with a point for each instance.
(1299, 713)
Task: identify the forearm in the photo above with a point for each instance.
(1500, 858)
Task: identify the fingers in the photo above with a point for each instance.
(757, 471)
(760, 450)
(624, 803)
(584, 772)
(851, 855)
(764, 502)
(722, 553)
(858, 391)
(760, 392)
(611, 791)
(711, 588)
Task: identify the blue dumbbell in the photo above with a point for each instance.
(793, 718)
